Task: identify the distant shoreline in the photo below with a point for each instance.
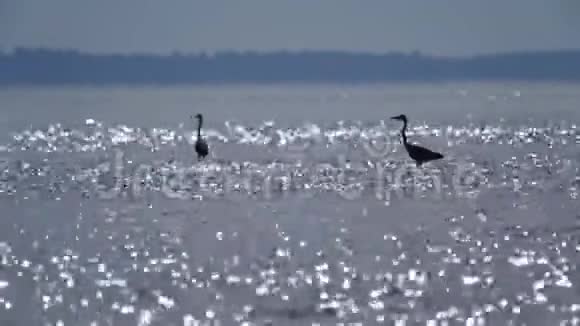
(48, 67)
(280, 84)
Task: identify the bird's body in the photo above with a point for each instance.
(201, 147)
(419, 154)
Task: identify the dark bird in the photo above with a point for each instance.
(201, 147)
(419, 154)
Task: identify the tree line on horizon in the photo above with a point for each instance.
(53, 67)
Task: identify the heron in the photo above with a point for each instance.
(201, 147)
(419, 154)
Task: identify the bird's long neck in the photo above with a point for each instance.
(199, 123)
(403, 132)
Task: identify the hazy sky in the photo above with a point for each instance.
(446, 27)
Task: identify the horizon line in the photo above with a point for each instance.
(4, 51)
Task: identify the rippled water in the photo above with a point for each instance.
(298, 217)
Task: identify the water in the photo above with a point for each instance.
(308, 211)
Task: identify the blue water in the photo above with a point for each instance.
(308, 210)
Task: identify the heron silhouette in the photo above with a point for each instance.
(201, 147)
(419, 154)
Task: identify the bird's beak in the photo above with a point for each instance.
(395, 118)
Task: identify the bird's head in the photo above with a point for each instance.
(401, 117)
(197, 116)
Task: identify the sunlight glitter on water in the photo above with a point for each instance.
(275, 238)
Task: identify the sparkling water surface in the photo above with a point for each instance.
(307, 212)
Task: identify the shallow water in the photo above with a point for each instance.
(307, 212)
